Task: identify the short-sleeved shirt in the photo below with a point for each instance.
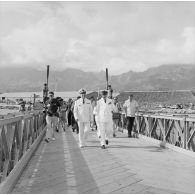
(131, 107)
(53, 107)
(116, 107)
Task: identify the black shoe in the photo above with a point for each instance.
(57, 130)
(46, 140)
(114, 135)
(106, 142)
(103, 147)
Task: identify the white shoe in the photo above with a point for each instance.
(81, 145)
(53, 138)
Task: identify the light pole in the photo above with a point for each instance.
(46, 88)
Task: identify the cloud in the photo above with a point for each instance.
(122, 36)
(189, 35)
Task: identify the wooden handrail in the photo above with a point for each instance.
(179, 131)
(17, 134)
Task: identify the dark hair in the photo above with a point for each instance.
(51, 92)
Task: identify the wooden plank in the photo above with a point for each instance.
(161, 127)
(190, 119)
(4, 142)
(17, 145)
(30, 131)
(141, 124)
(25, 138)
(179, 129)
(1, 130)
(153, 127)
(193, 146)
(27, 134)
(191, 136)
(167, 117)
(5, 169)
(10, 136)
(147, 125)
(169, 129)
(10, 120)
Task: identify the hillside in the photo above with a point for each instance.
(155, 98)
(165, 77)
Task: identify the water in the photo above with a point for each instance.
(29, 95)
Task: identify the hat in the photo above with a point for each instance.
(82, 91)
(51, 92)
(104, 92)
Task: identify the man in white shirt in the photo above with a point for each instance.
(83, 115)
(131, 107)
(104, 111)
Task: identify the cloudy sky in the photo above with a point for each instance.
(90, 36)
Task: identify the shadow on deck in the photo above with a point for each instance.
(126, 166)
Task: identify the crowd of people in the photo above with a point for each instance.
(105, 115)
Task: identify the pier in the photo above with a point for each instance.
(148, 164)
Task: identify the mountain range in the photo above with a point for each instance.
(161, 78)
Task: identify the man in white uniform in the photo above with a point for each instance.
(104, 110)
(83, 115)
(131, 107)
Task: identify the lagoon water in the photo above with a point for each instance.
(29, 95)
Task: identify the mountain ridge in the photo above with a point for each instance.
(164, 77)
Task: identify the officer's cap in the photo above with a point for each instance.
(104, 92)
(82, 91)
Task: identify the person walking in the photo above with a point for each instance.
(115, 116)
(131, 107)
(104, 110)
(83, 115)
(51, 117)
(69, 112)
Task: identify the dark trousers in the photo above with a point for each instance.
(130, 121)
(70, 118)
(77, 127)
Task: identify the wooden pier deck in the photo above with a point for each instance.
(128, 165)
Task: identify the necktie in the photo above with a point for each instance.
(105, 101)
(83, 101)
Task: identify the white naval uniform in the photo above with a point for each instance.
(83, 112)
(104, 111)
(97, 120)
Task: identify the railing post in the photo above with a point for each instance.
(185, 134)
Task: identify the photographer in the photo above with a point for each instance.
(51, 116)
(61, 118)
